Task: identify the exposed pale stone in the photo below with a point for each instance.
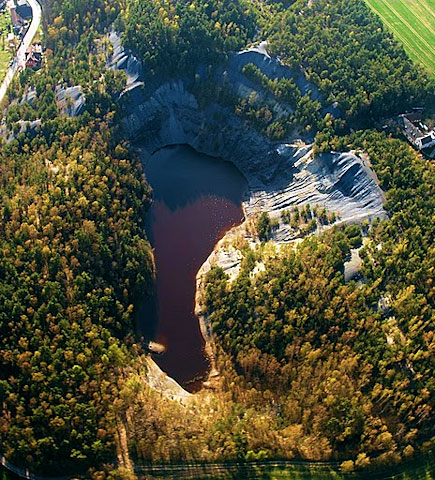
(280, 175)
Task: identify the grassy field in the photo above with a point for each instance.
(413, 23)
(5, 55)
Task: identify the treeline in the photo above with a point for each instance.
(341, 47)
(347, 367)
(175, 37)
(73, 263)
(73, 256)
(344, 49)
(263, 114)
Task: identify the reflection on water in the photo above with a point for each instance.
(196, 200)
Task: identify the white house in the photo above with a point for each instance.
(426, 141)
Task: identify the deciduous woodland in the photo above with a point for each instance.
(311, 367)
(351, 377)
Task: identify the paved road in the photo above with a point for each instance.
(20, 57)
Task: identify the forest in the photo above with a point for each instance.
(74, 258)
(173, 37)
(336, 44)
(311, 367)
(339, 46)
(349, 365)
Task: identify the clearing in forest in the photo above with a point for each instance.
(413, 23)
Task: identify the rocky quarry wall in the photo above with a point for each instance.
(280, 175)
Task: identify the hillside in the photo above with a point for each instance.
(307, 366)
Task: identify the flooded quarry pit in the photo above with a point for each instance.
(196, 200)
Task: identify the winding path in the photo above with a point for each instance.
(20, 57)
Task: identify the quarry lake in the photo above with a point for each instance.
(196, 199)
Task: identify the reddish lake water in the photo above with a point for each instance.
(196, 200)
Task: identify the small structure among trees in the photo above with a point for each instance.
(34, 56)
(415, 131)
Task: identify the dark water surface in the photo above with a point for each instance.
(196, 200)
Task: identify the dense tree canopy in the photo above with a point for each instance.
(311, 367)
(174, 37)
(344, 49)
(349, 364)
(73, 260)
(73, 257)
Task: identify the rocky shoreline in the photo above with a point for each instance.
(280, 175)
